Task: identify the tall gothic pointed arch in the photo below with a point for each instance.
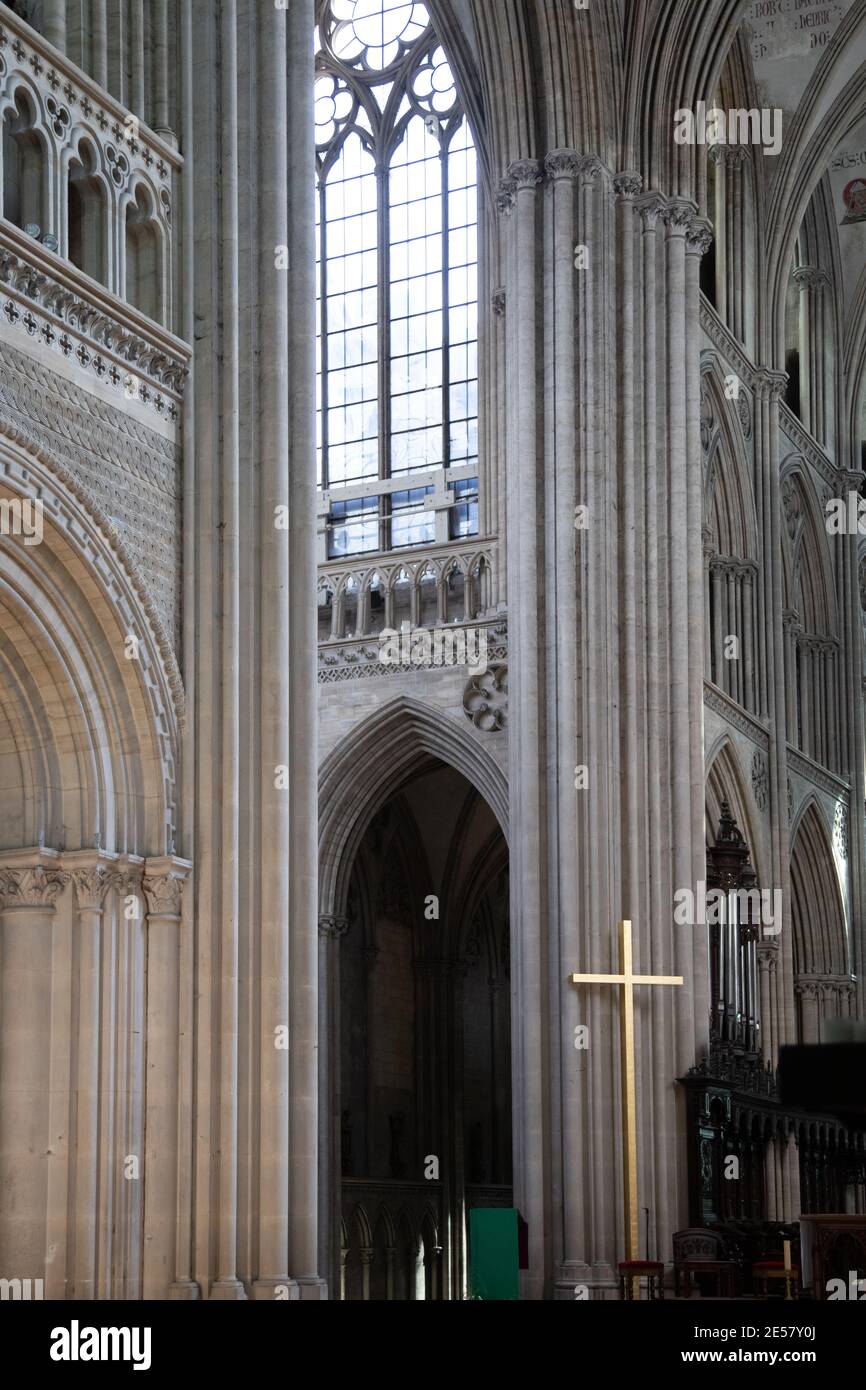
(823, 983)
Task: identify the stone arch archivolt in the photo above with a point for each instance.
(394, 743)
(91, 694)
(725, 781)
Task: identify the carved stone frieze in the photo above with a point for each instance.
(71, 326)
(362, 659)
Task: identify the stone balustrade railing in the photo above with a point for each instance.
(429, 587)
(52, 310)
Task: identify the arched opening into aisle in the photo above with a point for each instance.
(416, 1026)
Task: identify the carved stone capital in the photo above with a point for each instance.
(333, 928)
(91, 883)
(809, 278)
(768, 957)
(769, 385)
(498, 303)
(699, 236)
(680, 216)
(652, 208)
(525, 173)
(627, 184)
(163, 883)
(735, 156)
(562, 164)
(32, 887)
(591, 167)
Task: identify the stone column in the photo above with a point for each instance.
(29, 891)
(792, 1186)
(736, 251)
(91, 878)
(748, 652)
(99, 42)
(814, 413)
(136, 58)
(227, 1285)
(522, 197)
(716, 577)
(118, 42)
(770, 1180)
(303, 642)
(54, 22)
(332, 931)
(790, 621)
(163, 888)
(273, 1136)
(807, 993)
(161, 79)
(769, 387)
(767, 953)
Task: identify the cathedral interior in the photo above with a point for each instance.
(432, 533)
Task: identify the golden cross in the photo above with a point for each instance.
(627, 980)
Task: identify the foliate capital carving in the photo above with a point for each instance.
(768, 957)
(591, 167)
(164, 894)
(525, 173)
(769, 385)
(652, 208)
(808, 278)
(680, 215)
(333, 928)
(699, 236)
(36, 887)
(627, 184)
(498, 303)
(806, 989)
(732, 157)
(91, 885)
(563, 164)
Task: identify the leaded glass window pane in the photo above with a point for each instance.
(397, 249)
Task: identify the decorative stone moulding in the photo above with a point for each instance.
(362, 659)
(485, 699)
(47, 300)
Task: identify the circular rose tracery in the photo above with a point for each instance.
(374, 30)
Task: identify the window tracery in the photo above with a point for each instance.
(397, 402)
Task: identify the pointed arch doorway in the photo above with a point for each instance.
(416, 1031)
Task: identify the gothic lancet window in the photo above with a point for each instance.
(397, 282)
